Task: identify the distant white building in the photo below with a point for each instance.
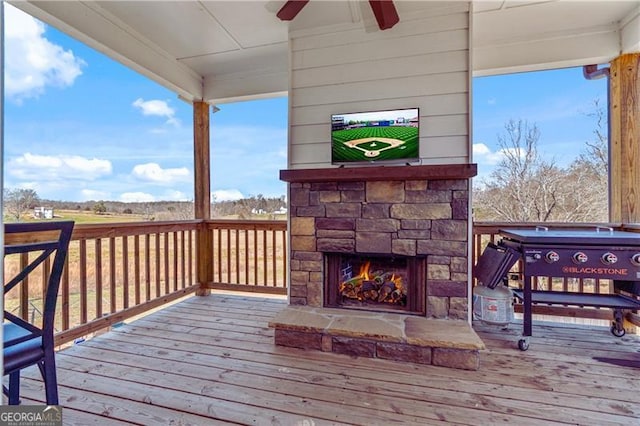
(43, 212)
(281, 210)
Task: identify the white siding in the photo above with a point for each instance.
(421, 62)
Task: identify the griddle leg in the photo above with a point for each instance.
(617, 326)
(523, 344)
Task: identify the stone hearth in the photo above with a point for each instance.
(403, 338)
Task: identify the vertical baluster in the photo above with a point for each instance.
(98, 263)
(83, 282)
(157, 264)
(136, 268)
(246, 256)
(45, 270)
(182, 259)
(147, 267)
(24, 288)
(219, 253)
(175, 254)
(167, 274)
(65, 295)
(273, 260)
(112, 275)
(191, 257)
(228, 233)
(264, 257)
(237, 256)
(125, 272)
(284, 259)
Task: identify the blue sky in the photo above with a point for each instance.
(80, 126)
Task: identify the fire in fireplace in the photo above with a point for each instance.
(384, 283)
(372, 285)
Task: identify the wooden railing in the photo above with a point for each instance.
(117, 271)
(249, 255)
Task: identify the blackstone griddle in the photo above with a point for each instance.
(600, 253)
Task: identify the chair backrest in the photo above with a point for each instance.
(46, 238)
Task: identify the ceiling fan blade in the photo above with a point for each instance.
(385, 13)
(291, 9)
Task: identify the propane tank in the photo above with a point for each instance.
(493, 306)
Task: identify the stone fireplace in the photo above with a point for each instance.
(410, 221)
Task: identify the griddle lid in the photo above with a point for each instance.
(494, 263)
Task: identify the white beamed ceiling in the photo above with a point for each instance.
(221, 51)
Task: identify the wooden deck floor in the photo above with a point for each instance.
(211, 360)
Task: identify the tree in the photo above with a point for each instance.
(527, 188)
(19, 201)
(523, 187)
(99, 208)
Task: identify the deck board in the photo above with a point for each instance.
(211, 360)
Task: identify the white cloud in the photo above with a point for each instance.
(136, 197)
(48, 167)
(91, 194)
(174, 195)
(157, 108)
(33, 62)
(152, 172)
(226, 195)
(482, 154)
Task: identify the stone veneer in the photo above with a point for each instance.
(398, 337)
(397, 217)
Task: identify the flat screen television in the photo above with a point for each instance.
(389, 136)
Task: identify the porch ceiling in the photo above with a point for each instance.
(228, 50)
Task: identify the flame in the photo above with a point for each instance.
(364, 271)
(397, 281)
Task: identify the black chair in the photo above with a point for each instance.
(26, 344)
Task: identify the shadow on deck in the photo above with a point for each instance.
(212, 360)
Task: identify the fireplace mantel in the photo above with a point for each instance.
(381, 173)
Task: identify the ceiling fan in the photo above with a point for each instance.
(384, 11)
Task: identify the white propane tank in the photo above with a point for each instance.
(493, 306)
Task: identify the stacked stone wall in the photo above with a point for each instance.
(409, 218)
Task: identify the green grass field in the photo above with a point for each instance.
(344, 153)
(84, 217)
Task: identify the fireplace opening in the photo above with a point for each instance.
(375, 282)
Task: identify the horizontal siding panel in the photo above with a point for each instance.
(382, 69)
(455, 82)
(445, 125)
(405, 28)
(310, 134)
(386, 48)
(445, 160)
(444, 146)
(319, 153)
(450, 103)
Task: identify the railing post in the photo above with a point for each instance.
(202, 193)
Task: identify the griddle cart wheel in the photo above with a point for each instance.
(523, 344)
(618, 332)
(617, 328)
